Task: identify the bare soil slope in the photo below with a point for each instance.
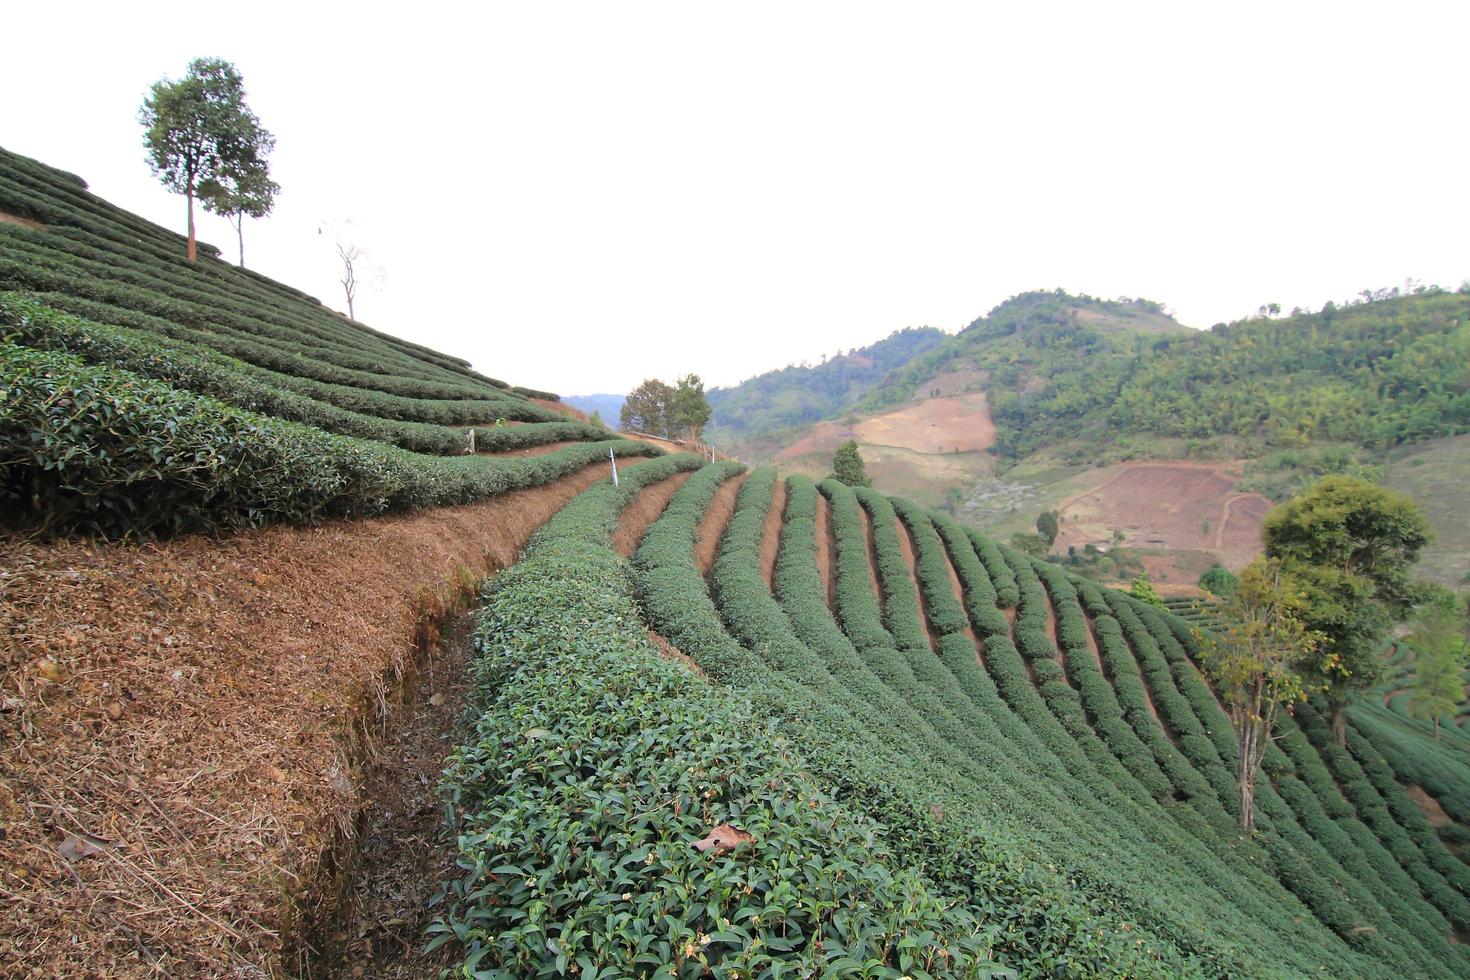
(184, 726)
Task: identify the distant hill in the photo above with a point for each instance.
(607, 406)
(795, 395)
(1045, 401)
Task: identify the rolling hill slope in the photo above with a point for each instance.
(1039, 758)
(148, 394)
(721, 723)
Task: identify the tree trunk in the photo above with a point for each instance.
(1247, 802)
(1339, 726)
(240, 233)
(1436, 728)
(193, 252)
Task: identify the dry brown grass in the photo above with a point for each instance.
(200, 712)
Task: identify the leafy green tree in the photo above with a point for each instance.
(691, 408)
(1049, 525)
(199, 130)
(1143, 590)
(1034, 545)
(1263, 656)
(244, 189)
(649, 408)
(1438, 642)
(848, 467)
(1218, 581)
(1349, 544)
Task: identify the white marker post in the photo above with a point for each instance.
(614, 458)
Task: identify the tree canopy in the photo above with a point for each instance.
(649, 408)
(1349, 545)
(200, 135)
(1438, 642)
(690, 408)
(848, 467)
(1262, 657)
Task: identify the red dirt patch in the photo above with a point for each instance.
(959, 594)
(1177, 505)
(826, 551)
(206, 705)
(15, 219)
(906, 546)
(872, 555)
(668, 651)
(1428, 806)
(643, 511)
(771, 531)
(956, 424)
(712, 525)
(562, 408)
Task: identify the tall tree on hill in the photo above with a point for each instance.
(199, 129)
(244, 188)
(1049, 525)
(847, 465)
(649, 408)
(1262, 657)
(1349, 545)
(1439, 646)
(691, 408)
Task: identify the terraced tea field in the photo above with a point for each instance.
(719, 724)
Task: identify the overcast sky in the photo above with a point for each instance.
(578, 196)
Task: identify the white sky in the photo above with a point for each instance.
(578, 196)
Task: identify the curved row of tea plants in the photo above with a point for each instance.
(884, 748)
(87, 447)
(594, 764)
(205, 371)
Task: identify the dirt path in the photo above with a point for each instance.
(712, 525)
(906, 545)
(1225, 515)
(959, 594)
(771, 530)
(643, 511)
(403, 857)
(15, 219)
(205, 708)
(872, 556)
(1146, 685)
(826, 551)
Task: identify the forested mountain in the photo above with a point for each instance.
(1082, 375)
(795, 395)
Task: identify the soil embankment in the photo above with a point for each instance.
(186, 726)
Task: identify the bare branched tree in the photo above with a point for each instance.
(352, 257)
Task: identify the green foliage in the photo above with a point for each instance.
(1438, 642)
(204, 370)
(202, 138)
(1350, 545)
(795, 395)
(847, 465)
(650, 409)
(1048, 525)
(1262, 659)
(691, 408)
(104, 450)
(1142, 589)
(1218, 581)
